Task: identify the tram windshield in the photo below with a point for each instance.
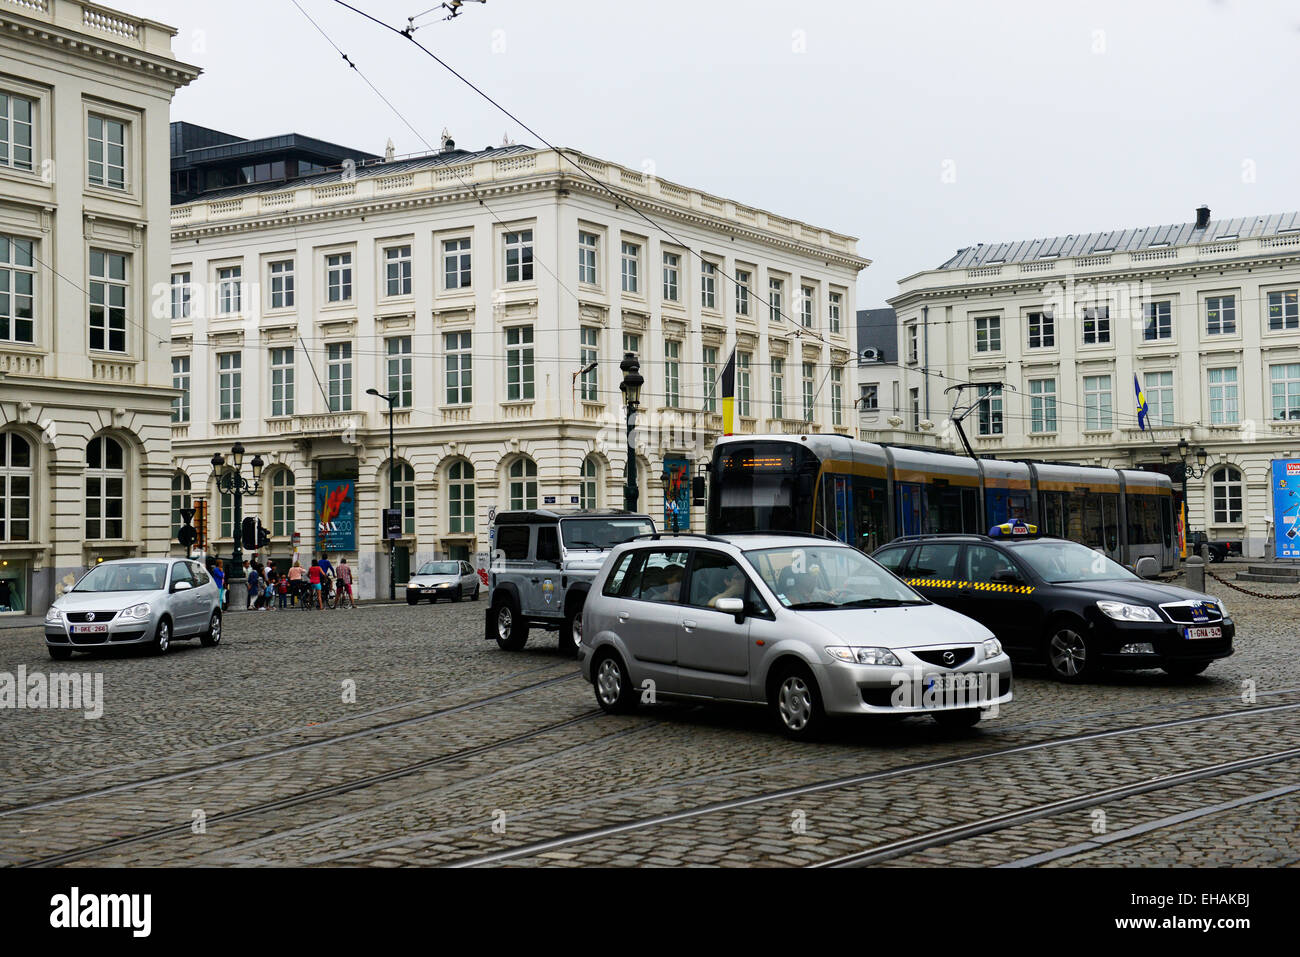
(763, 486)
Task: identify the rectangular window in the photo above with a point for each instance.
(399, 371)
(631, 343)
(456, 271)
(672, 277)
(108, 295)
(459, 368)
(180, 295)
(809, 370)
(588, 355)
(913, 344)
(338, 369)
(710, 355)
(1284, 381)
(519, 364)
(338, 277)
(230, 290)
(230, 386)
(1097, 402)
(672, 373)
(778, 388)
(988, 334)
(708, 286)
(990, 410)
(106, 151)
(588, 244)
(837, 396)
(16, 129)
(870, 396)
(1283, 310)
(1220, 315)
(1157, 321)
(806, 306)
(775, 299)
(1042, 405)
(1223, 396)
(282, 384)
(632, 268)
(181, 380)
(1096, 325)
(397, 271)
(1158, 387)
(914, 399)
(833, 310)
(519, 255)
(742, 293)
(18, 290)
(1042, 330)
(744, 384)
(282, 284)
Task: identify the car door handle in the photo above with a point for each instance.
(623, 616)
(536, 580)
(688, 625)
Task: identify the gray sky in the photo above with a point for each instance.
(918, 126)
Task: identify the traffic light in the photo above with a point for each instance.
(248, 533)
(263, 536)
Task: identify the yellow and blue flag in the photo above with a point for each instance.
(729, 395)
(1142, 404)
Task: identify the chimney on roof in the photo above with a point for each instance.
(1202, 217)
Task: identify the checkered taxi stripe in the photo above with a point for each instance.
(975, 586)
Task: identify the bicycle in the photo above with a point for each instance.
(343, 594)
(308, 597)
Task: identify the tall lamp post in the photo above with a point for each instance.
(666, 479)
(231, 481)
(631, 389)
(392, 491)
(1186, 470)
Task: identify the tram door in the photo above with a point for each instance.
(869, 513)
(837, 508)
(909, 496)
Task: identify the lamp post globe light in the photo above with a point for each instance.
(631, 389)
(392, 492)
(230, 481)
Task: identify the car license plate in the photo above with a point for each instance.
(428, 591)
(87, 629)
(966, 681)
(1213, 631)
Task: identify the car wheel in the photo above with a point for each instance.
(162, 637)
(965, 718)
(412, 599)
(1185, 669)
(474, 597)
(512, 632)
(797, 703)
(1070, 656)
(571, 630)
(59, 654)
(212, 636)
(613, 685)
(460, 593)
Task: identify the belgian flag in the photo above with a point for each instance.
(729, 395)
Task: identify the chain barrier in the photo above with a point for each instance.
(1248, 591)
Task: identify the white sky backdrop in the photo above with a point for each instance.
(918, 126)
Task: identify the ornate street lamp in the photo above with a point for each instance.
(1185, 468)
(631, 389)
(230, 481)
(392, 492)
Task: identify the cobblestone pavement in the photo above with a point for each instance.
(395, 735)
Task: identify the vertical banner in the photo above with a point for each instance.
(1286, 508)
(336, 515)
(677, 501)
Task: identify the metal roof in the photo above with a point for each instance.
(1123, 240)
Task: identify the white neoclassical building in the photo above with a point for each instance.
(1204, 314)
(492, 294)
(85, 383)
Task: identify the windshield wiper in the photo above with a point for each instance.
(802, 605)
(879, 603)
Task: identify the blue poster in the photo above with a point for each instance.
(677, 501)
(1286, 508)
(336, 515)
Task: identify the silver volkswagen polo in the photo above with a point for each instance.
(453, 580)
(807, 626)
(135, 601)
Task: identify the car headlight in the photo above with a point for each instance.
(1222, 608)
(137, 611)
(54, 616)
(864, 656)
(1123, 612)
(992, 648)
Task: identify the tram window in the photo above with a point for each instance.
(970, 510)
(869, 513)
(934, 561)
(1074, 504)
(1092, 528)
(1167, 514)
(1143, 521)
(1110, 520)
(1054, 514)
(909, 508)
(1018, 507)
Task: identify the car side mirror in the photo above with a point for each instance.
(732, 606)
(1147, 567)
(181, 586)
(1006, 576)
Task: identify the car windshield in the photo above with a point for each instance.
(439, 568)
(829, 576)
(133, 576)
(1058, 562)
(602, 533)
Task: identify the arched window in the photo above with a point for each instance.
(180, 500)
(403, 494)
(523, 483)
(282, 503)
(105, 488)
(15, 488)
(1225, 486)
(460, 498)
(587, 497)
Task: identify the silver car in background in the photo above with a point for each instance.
(807, 626)
(135, 601)
(453, 580)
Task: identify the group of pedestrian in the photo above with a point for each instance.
(269, 588)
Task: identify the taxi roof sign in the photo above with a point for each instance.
(1014, 528)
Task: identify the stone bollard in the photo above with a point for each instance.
(1195, 573)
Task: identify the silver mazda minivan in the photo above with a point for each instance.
(808, 626)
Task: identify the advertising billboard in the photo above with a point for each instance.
(677, 498)
(336, 515)
(1286, 508)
